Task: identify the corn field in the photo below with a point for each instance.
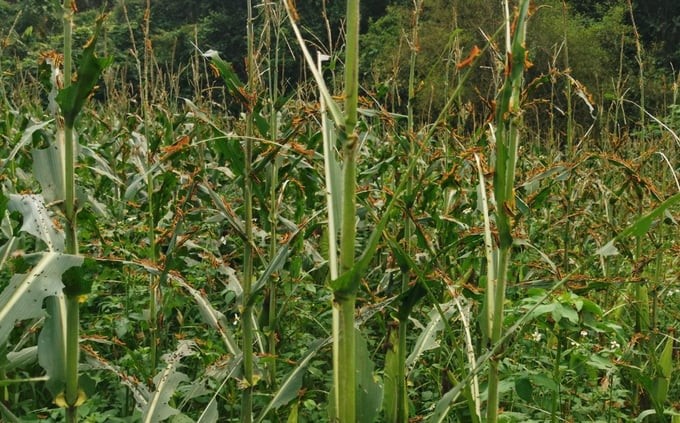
(240, 249)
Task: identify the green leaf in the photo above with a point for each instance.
(569, 313)
(427, 340)
(369, 391)
(166, 382)
(231, 80)
(391, 373)
(543, 309)
(72, 98)
(544, 381)
(293, 416)
(524, 389)
(48, 170)
(660, 384)
(601, 363)
(37, 221)
(52, 345)
(291, 385)
(23, 298)
(659, 391)
(640, 227)
(590, 307)
(666, 359)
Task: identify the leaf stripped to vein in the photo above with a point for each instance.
(211, 316)
(139, 392)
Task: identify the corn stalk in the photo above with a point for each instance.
(396, 394)
(247, 312)
(508, 120)
(72, 305)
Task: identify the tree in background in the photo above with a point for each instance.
(598, 33)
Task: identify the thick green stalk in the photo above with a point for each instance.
(247, 318)
(497, 333)
(344, 349)
(507, 137)
(72, 321)
(401, 394)
(154, 281)
(72, 305)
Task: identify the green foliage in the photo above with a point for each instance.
(72, 98)
(587, 338)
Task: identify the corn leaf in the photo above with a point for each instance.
(52, 345)
(158, 407)
(391, 372)
(37, 220)
(427, 340)
(211, 316)
(26, 139)
(231, 80)
(90, 67)
(23, 298)
(48, 170)
(661, 383)
(19, 359)
(291, 385)
(369, 391)
(640, 227)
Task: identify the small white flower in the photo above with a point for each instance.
(536, 336)
(237, 319)
(614, 345)
(584, 333)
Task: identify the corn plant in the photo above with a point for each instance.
(508, 122)
(61, 264)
